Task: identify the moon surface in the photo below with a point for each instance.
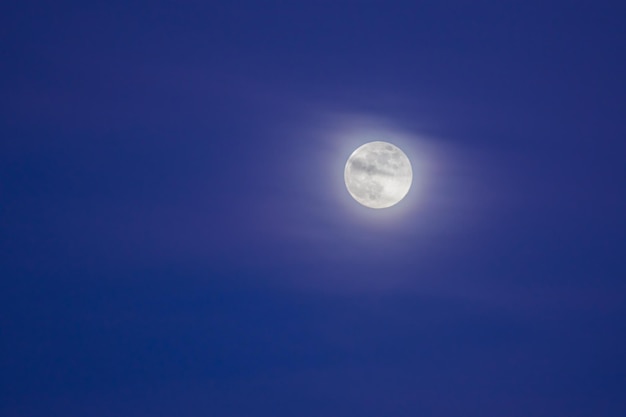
(378, 175)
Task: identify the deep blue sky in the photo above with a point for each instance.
(176, 239)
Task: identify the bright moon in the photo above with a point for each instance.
(378, 175)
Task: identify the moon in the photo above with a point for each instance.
(378, 175)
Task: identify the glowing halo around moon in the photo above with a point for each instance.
(378, 175)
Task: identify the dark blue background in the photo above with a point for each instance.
(175, 239)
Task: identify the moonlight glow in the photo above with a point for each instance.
(378, 175)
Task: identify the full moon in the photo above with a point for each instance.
(378, 175)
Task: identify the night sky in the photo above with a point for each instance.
(176, 238)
